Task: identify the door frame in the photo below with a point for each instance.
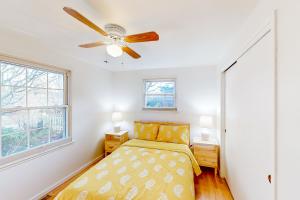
(268, 28)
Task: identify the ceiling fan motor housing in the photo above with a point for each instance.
(115, 31)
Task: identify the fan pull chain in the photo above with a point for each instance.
(106, 60)
(122, 62)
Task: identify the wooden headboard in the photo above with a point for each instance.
(169, 124)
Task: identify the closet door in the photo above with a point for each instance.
(250, 122)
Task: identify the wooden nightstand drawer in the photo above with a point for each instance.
(111, 145)
(206, 148)
(207, 154)
(207, 162)
(204, 159)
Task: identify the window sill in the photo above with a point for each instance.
(20, 158)
(160, 109)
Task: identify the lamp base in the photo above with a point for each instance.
(205, 136)
(117, 129)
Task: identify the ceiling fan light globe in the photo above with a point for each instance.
(114, 50)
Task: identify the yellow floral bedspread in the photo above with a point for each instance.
(139, 169)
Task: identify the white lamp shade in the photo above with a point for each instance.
(206, 122)
(116, 117)
(114, 50)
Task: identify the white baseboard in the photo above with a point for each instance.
(61, 181)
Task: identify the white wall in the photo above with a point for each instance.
(258, 19)
(196, 95)
(91, 97)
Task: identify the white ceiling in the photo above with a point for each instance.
(192, 32)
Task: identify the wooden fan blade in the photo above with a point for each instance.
(93, 44)
(130, 52)
(142, 37)
(84, 20)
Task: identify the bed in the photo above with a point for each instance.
(139, 169)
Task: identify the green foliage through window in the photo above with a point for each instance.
(32, 104)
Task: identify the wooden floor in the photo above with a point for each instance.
(207, 186)
(211, 187)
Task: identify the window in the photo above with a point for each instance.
(160, 94)
(34, 108)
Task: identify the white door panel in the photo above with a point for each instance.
(249, 122)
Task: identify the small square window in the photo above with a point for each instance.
(160, 94)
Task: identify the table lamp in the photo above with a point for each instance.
(206, 123)
(116, 118)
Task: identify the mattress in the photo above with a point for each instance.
(138, 169)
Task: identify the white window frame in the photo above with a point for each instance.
(31, 153)
(160, 80)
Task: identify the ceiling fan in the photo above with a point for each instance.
(116, 40)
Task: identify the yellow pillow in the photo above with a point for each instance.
(174, 134)
(145, 131)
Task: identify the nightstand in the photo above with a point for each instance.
(206, 153)
(114, 140)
